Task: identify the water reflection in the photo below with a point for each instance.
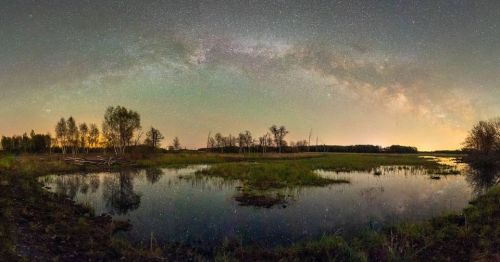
(153, 174)
(73, 184)
(483, 177)
(177, 205)
(119, 194)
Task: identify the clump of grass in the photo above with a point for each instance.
(260, 199)
(366, 162)
(327, 248)
(270, 174)
(6, 161)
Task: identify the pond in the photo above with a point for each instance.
(178, 205)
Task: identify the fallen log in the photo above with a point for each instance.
(99, 161)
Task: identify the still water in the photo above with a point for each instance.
(177, 205)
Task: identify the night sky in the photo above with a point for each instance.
(417, 73)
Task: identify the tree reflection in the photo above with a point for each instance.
(94, 182)
(153, 175)
(68, 185)
(483, 177)
(119, 194)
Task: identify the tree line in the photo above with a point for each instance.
(274, 141)
(121, 129)
(32, 143)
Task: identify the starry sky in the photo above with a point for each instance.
(407, 72)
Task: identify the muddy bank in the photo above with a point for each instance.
(36, 225)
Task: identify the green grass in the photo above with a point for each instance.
(267, 173)
(270, 175)
(366, 162)
(6, 161)
(43, 164)
(194, 158)
(35, 165)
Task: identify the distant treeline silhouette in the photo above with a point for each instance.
(121, 130)
(319, 148)
(32, 143)
(274, 141)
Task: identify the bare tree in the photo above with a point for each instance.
(248, 140)
(211, 143)
(176, 144)
(262, 143)
(219, 139)
(153, 137)
(241, 142)
(269, 140)
(309, 141)
(138, 136)
(279, 134)
(209, 140)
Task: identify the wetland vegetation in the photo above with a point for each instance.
(120, 197)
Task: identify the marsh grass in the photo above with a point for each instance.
(194, 158)
(270, 175)
(6, 161)
(366, 162)
(43, 163)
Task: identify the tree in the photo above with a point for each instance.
(62, 134)
(211, 143)
(484, 138)
(302, 145)
(39, 143)
(219, 140)
(84, 136)
(241, 141)
(279, 135)
(34, 143)
(263, 142)
(248, 140)
(72, 134)
(245, 140)
(93, 137)
(138, 136)
(176, 144)
(110, 139)
(153, 138)
(119, 127)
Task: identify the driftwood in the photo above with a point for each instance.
(98, 161)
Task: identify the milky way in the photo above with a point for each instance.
(379, 72)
